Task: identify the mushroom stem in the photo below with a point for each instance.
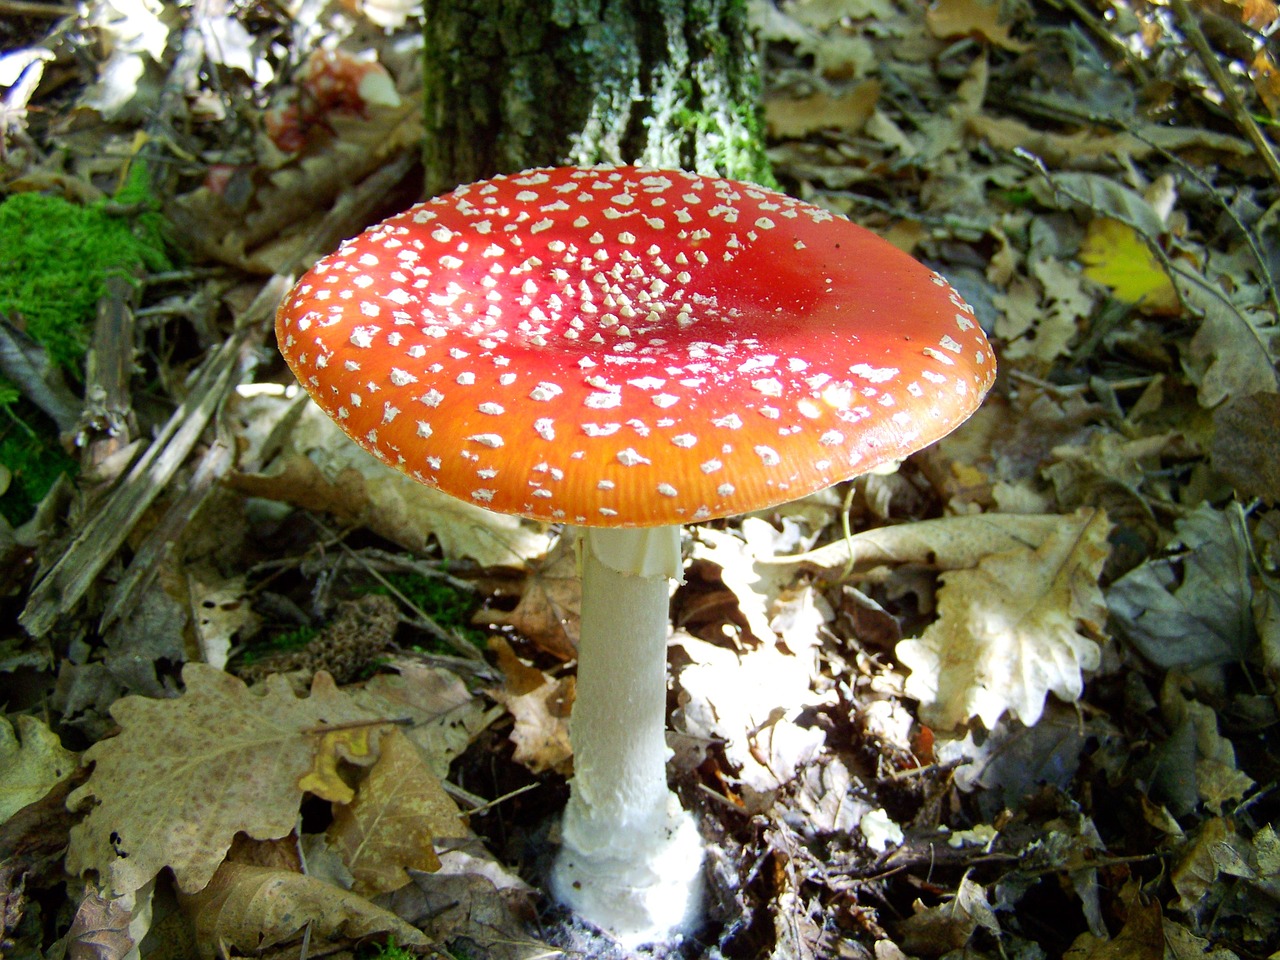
(631, 859)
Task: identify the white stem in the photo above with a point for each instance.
(631, 859)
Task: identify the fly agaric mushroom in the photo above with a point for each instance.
(625, 350)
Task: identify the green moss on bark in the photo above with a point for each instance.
(513, 84)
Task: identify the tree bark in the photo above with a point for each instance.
(511, 84)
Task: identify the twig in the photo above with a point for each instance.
(1190, 27)
(479, 804)
(26, 8)
(1104, 33)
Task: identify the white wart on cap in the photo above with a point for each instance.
(618, 346)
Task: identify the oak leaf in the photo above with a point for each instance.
(251, 908)
(442, 715)
(399, 810)
(1008, 631)
(184, 776)
(32, 761)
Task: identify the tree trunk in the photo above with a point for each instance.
(517, 83)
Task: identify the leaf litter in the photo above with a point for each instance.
(1025, 703)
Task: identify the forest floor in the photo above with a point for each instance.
(1018, 698)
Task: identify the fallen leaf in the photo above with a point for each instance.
(1246, 445)
(1008, 631)
(550, 604)
(253, 908)
(443, 715)
(221, 612)
(962, 18)
(184, 776)
(1230, 354)
(541, 730)
(1116, 257)
(321, 469)
(1192, 606)
(134, 35)
(32, 762)
(934, 931)
(399, 810)
(793, 117)
(753, 700)
(1141, 937)
(474, 898)
(738, 572)
(351, 744)
(1266, 80)
(949, 543)
(102, 928)
(1218, 781)
(1195, 872)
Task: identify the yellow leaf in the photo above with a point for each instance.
(1115, 256)
(348, 743)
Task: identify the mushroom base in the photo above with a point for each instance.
(641, 887)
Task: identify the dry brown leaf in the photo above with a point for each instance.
(1196, 871)
(549, 606)
(541, 714)
(101, 929)
(519, 677)
(221, 611)
(1246, 445)
(949, 543)
(184, 776)
(1266, 80)
(793, 117)
(1218, 780)
(321, 469)
(475, 898)
(1043, 323)
(1008, 631)
(948, 19)
(268, 235)
(443, 715)
(399, 809)
(1231, 353)
(252, 908)
(1141, 937)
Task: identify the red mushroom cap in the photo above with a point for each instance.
(617, 346)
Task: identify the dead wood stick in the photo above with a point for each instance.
(28, 8)
(66, 582)
(1190, 27)
(107, 424)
